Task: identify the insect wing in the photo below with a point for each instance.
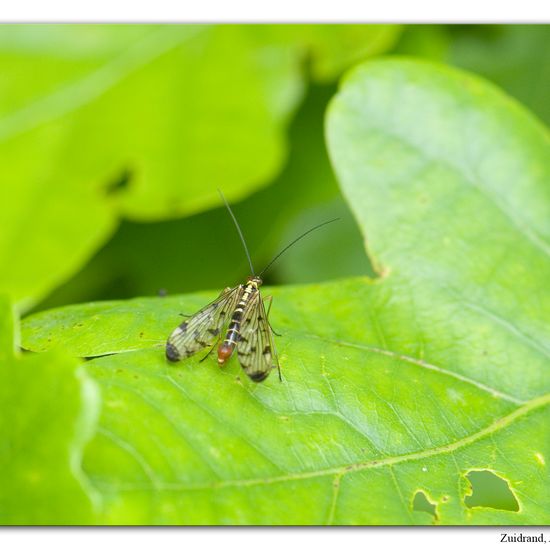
(203, 328)
(255, 346)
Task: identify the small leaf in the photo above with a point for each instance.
(49, 409)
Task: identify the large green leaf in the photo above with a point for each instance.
(351, 418)
(49, 408)
(456, 209)
(394, 391)
(149, 105)
(304, 194)
(142, 121)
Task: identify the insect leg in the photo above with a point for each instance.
(277, 364)
(210, 350)
(270, 298)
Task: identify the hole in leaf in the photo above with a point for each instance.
(120, 183)
(490, 491)
(422, 504)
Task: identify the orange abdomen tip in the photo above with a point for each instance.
(224, 353)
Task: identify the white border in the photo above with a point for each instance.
(252, 11)
(353, 538)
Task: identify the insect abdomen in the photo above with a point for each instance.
(226, 349)
(232, 337)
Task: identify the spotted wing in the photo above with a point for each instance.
(203, 328)
(255, 345)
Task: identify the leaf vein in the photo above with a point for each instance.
(342, 470)
(420, 363)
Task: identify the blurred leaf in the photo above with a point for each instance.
(49, 408)
(159, 123)
(427, 41)
(173, 110)
(186, 255)
(153, 106)
(406, 384)
(334, 48)
(516, 57)
(46, 232)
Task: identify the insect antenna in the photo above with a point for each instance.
(294, 242)
(239, 230)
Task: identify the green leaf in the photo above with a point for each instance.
(208, 446)
(401, 386)
(427, 41)
(143, 121)
(49, 409)
(133, 107)
(304, 194)
(333, 48)
(150, 103)
(448, 179)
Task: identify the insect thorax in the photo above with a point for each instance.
(255, 281)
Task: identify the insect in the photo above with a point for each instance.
(242, 310)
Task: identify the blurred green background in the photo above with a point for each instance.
(114, 139)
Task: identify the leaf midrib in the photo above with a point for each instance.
(420, 363)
